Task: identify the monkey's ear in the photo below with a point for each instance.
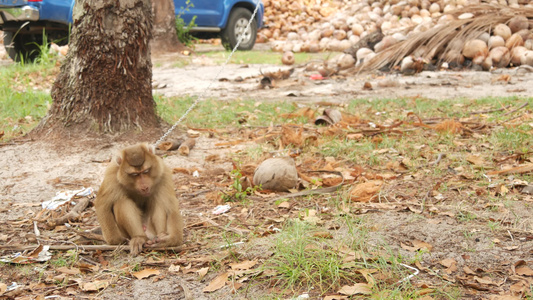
(150, 148)
(118, 159)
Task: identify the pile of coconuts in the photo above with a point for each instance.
(344, 26)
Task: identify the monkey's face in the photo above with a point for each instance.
(138, 170)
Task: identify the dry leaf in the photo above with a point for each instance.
(245, 265)
(217, 283)
(174, 268)
(145, 273)
(475, 160)
(202, 272)
(335, 297)
(524, 270)
(450, 126)
(484, 280)
(70, 271)
(94, 286)
(422, 245)
(284, 204)
(323, 235)
(357, 289)
(3, 288)
(448, 262)
(367, 191)
(468, 271)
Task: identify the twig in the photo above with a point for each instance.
(489, 110)
(439, 158)
(71, 215)
(516, 109)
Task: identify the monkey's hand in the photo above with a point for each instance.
(136, 244)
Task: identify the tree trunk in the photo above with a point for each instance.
(164, 34)
(105, 82)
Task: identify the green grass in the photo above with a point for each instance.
(264, 57)
(22, 105)
(220, 114)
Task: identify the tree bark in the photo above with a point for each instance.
(104, 84)
(165, 38)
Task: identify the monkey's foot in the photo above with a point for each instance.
(136, 244)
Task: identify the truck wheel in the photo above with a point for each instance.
(21, 47)
(237, 21)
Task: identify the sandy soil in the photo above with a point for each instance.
(32, 172)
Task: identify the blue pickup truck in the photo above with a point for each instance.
(23, 22)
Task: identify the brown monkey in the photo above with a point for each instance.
(136, 201)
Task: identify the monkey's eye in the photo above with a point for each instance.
(146, 171)
(134, 174)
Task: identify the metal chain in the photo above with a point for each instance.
(202, 95)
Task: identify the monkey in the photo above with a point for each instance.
(136, 201)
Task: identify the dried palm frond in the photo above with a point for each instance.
(437, 41)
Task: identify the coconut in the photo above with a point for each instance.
(357, 29)
(344, 45)
(407, 64)
(435, 7)
(385, 43)
(501, 57)
(277, 174)
(527, 58)
(345, 61)
(339, 34)
(514, 40)
(518, 23)
(516, 55)
(502, 30)
(487, 63)
(363, 53)
(496, 41)
(475, 48)
(529, 44)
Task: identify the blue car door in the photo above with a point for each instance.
(208, 12)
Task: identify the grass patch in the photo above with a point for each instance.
(219, 114)
(264, 57)
(24, 96)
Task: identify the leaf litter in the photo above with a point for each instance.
(459, 223)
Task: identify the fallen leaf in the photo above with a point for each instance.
(174, 268)
(468, 271)
(366, 191)
(217, 283)
(524, 270)
(202, 272)
(145, 273)
(284, 204)
(70, 271)
(323, 235)
(484, 280)
(245, 265)
(335, 297)
(422, 245)
(3, 288)
(94, 286)
(357, 289)
(475, 160)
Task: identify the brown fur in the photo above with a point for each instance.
(136, 201)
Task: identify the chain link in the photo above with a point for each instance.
(202, 95)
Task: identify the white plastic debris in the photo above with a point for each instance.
(196, 174)
(63, 197)
(221, 209)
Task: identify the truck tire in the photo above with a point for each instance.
(21, 47)
(237, 21)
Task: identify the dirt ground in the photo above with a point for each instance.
(32, 172)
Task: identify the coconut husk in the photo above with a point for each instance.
(434, 43)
